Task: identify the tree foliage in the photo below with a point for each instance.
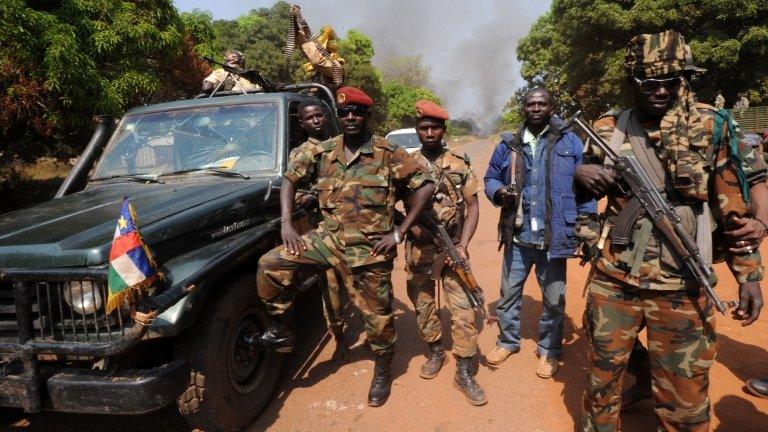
(401, 99)
(63, 62)
(357, 49)
(261, 35)
(577, 49)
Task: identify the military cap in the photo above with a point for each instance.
(650, 55)
(353, 96)
(425, 108)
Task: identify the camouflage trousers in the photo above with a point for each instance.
(421, 291)
(682, 345)
(333, 304)
(368, 286)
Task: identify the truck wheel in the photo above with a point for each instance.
(229, 385)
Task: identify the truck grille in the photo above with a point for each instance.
(52, 317)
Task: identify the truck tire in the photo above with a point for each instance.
(228, 385)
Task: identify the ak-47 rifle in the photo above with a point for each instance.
(645, 197)
(435, 230)
(251, 75)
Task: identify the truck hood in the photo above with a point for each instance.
(77, 229)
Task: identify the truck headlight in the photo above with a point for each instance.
(84, 297)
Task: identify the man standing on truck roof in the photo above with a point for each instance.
(358, 178)
(455, 204)
(719, 100)
(231, 81)
(313, 121)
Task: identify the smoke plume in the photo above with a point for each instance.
(470, 45)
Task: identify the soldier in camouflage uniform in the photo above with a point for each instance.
(644, 282)
(455, 204)
(231, 81)
(313, 121)
(358, 177)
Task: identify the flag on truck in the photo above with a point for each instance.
(132, 268)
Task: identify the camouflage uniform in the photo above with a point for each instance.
(220, 75)
(357, 200)
(459, 182)
(644, 283)
(333, 304)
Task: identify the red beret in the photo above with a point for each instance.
(353, 96)
(425, 108)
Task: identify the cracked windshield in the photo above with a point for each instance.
(239, 138)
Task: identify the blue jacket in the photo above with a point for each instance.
(547, 189)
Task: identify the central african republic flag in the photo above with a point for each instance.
(131, 265)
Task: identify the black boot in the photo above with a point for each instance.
(381, 385)
(436, 358)
(279, 337)
(464, 381)
(758, 387)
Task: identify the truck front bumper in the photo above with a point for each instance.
(97, 392)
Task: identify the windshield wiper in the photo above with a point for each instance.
(214, 170)
(149, 178)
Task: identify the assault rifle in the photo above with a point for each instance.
(433, 229)
(645, 196)
(251, 75)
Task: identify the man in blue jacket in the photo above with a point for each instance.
(530, 177)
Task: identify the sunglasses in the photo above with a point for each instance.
(650, 85)
(356, 110)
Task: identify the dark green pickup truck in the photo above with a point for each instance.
(203, 176)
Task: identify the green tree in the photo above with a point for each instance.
(259, 35)
(577, 49)
(63, 62)
(357, 49)
(400, 101)
(511, 117)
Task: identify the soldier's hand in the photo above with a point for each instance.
(745, 234)
(750, 303)
(383, 244)
(292, 241)
(463, 253)
(504, 197)
(595, 179)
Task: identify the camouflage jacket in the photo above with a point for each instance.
(658, 268)
(357, 198)
(455, 181)
(307, 146)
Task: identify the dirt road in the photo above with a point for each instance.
(318, 395)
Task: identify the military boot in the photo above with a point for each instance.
(279, 337)
(464, 381)
(758, 387)
(381, 385)
(436, 358)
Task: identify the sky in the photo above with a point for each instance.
(469, 45)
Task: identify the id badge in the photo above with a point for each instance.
(534, 224)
